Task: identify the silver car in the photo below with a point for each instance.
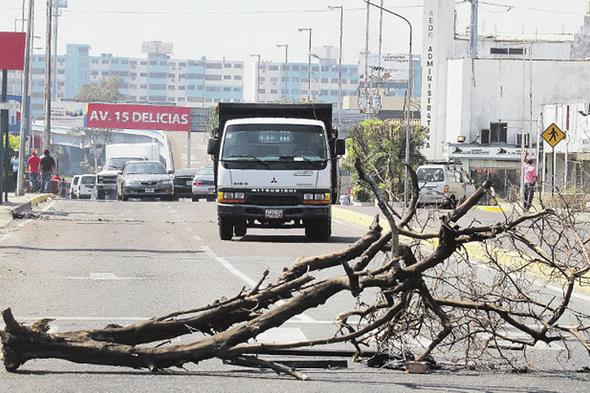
(204, 184)
(145, 179)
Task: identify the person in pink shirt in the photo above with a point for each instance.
(529, 172)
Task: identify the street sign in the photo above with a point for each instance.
(553, 135)
(138, 117)
(12, 50)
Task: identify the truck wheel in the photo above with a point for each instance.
(226, 229)
(100, 194)
(124, 198)
(240, 229)
(319, 230)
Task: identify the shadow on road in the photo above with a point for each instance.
(294, 239)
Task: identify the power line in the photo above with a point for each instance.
(515, 7)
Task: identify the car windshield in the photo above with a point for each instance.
(87, 180)
(430, 174)
(205, 171)
(274, 142)
(119, 163)
(145, 168)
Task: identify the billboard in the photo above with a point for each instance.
(14, 113)
(138, 117)
(12, 50)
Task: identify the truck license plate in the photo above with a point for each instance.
(273, 213)
(149, 190)
(189, 182)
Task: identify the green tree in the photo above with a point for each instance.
(381, 147)
(13, 142)
(106, 90)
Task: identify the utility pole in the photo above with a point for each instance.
(47, 128)
(3, 129)
(25, 104)
(286, 68)
(367, 59)
(408, 95)
(341, 8)
(473, 29)
(257, 95)
(308, 29)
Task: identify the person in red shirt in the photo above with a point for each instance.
(33, 164)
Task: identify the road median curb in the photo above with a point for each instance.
(478, 252)
(26, 206)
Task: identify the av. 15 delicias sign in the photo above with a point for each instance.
(138, 117)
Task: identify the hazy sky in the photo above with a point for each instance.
(237, 28)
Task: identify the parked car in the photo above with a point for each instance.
(85, 187)
(204, 184)
(183, 181)
(145, 179)
(443, 184)
(73, 185)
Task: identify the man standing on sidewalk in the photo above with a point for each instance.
(33, 167)
(47, 169)
(529, 172)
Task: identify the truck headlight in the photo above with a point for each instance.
(317, 199)
(230, 197)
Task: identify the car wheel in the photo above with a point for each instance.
(240, 229)
(319, 230)
(195, 199)
(100, 194)
(226, 229)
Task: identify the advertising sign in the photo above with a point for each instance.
(12, 50)
(138, 117)
(14, 113)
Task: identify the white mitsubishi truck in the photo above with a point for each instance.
(276, 166)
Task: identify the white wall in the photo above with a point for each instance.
(501, 93)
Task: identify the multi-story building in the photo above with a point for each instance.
(156, 78)
(278, 82)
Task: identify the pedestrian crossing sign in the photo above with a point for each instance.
(553, 135)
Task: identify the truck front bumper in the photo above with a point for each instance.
(256, 216)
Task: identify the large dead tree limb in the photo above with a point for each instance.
(430, 292)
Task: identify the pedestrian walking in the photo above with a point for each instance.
(529, 172)
(33, 167)
(47, 164)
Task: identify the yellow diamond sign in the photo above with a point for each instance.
(553, 135)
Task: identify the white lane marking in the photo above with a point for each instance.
(228, 266)
(281, 336)
(197, 238)
(233, 270)
(104, 277)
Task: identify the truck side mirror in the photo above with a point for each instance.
(212, 146)
(340, 147)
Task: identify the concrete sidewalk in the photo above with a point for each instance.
(16, 204)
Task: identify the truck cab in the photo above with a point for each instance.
(274, 171)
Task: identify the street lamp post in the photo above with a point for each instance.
(408, 96)
(25, 110)
(257, 76)
(341, 8)
(286, 46)
(308, 29)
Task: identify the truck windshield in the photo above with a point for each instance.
(274, 142)
(119, 163)
(430, 174)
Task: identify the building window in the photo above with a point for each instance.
(213, 77)
(225, 77)
(334, 80)
(506, 51)
(163, 63)
(190, 87)
(214, 65)
(180, 87)
(296, 68)
(227, 89)
(237, 77)
(527, 140)
(324, 80)
(143, 86)
(498, 133)
(274, 91)
(237, 65)
(273, 68)
(227, 65)
(171, 87)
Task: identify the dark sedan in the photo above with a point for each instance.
(183, 181)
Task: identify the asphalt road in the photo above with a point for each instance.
(89, 263)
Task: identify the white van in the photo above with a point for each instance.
(443, 184)
(85, 187)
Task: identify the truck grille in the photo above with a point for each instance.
(107, 179)
(273, 200)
